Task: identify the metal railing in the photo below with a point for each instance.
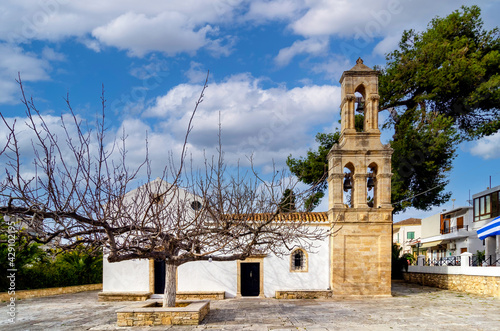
(484, 261)
(454, 229)
(450, 261)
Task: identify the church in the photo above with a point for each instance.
(356, 261)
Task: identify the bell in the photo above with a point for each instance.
(370, 183)
(347, 183)
(361, 107)
(361, 104)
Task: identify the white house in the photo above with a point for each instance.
(406, 234)
(449, 234)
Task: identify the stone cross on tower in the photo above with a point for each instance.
(359, 181)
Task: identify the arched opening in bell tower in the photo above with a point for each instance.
(371, 185)
(348, 185)
(360, 108)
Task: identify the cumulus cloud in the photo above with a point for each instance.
(14, 60)
(365, 19)
(487, 147)
(268, 123)
(263, 10)
(333, 67)
(138, 27)
(314, 46)
(168, 32)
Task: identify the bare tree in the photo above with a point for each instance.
(77, 188)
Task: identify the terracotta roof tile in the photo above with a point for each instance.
(312, 217)
(409, 221)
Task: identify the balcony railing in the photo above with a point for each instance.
(454, 229)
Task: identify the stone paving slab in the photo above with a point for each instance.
(412, 307)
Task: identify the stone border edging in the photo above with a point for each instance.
(45, 292)
(147, 314)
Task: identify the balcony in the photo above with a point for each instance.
(453, 229)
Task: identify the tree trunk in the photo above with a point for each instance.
(170, 288)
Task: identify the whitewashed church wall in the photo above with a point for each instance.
(278, 276)
(208, 276)
(125, 276)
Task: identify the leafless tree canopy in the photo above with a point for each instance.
(77, 189)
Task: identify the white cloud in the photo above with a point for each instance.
(388, 44)
(333, 67)
(196, 73)
(262, 10)
(14, 60)
(487, 147)
(139, 27)
(169, 32)
(51, 55)
(155, 67)
(366, 19)
(314, 46)
(271, 123)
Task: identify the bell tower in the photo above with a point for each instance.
(359, 192)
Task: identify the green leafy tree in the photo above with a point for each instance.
(37, 267)
(441, 86)
(287, 203)
(452, 68)
(399, 262)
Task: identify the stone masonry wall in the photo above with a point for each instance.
(45, 292)
(486, 285)
(303, 294)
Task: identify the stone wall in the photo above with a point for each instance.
(143, 296)
(303, 294)
(361, 257)
(201, 295)
(149, 315)
(44, 292)
(123, 296)
(485, 285)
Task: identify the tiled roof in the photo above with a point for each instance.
(313, 217)
(409, 221)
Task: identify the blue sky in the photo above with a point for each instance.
(274, 71)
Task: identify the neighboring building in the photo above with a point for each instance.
(355, 261)
(406, 234)
(449, 233)
(486, 209)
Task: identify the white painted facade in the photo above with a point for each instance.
(125, 276)
(133, 276)
(406, 236)
(443, 235)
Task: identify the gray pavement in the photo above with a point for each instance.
(412, 307)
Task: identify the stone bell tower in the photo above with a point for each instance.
(359, 180)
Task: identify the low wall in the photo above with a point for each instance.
(476, 284)
(303, 294)
(143, 296)
(201, 295)
(45, 292)
(152, 314)
(123, 296)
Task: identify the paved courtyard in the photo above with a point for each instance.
(412, 307)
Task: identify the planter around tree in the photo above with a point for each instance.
(151, 313)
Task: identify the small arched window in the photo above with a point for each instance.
(298, 260)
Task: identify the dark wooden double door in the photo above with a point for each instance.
(250, 279)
